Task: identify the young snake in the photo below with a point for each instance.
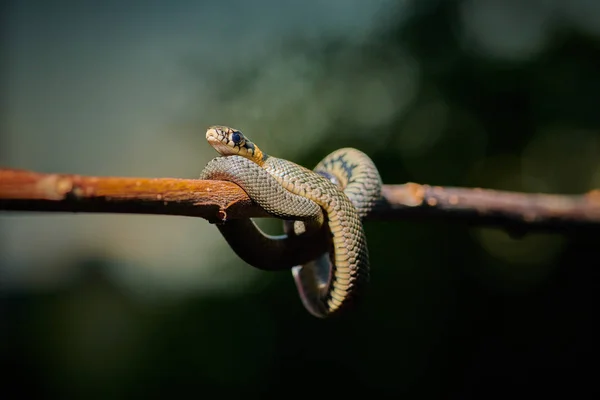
(345, 185)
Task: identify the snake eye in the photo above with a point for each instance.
(237, 138)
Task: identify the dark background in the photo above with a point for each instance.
(494, 94)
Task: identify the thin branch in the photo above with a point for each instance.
(517, 212)
(214, 201)
(218, 200)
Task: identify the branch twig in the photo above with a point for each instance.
(216, 200)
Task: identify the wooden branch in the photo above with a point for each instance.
(218, 200)
(212, 200)
(517, 212)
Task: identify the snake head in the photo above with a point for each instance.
(229, 141)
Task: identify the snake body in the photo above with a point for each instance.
(345, 185)
(263, 251)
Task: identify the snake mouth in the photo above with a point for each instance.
(218, 140)
(220, 147)
(214, 135)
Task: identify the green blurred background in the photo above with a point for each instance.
(497, 94)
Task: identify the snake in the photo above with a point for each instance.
(324, 242)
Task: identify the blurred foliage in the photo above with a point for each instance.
(452, 312)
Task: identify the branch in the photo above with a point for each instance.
(218, 200)
(212, 200)
(518, 213)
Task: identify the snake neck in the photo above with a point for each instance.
(258, 156)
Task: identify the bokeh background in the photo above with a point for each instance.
(492, 93)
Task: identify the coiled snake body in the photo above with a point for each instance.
(345, 185)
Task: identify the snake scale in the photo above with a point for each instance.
(323, 210)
